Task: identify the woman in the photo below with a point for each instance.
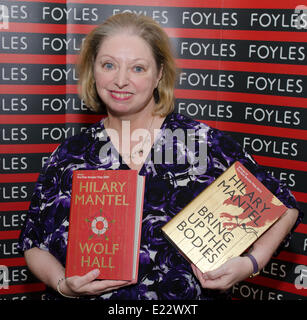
(126, 67)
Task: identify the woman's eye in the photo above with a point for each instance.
(138, 69)
(108, 66)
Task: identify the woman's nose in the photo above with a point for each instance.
(122, 78)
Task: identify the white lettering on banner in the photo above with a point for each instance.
(272, 116)
(12, 220)
(59, 74)
(292, 53)
(273, 20)
(57, 104)
(21, 162)
(13, 163)
(44, 160)
(13, 192)
(18, 12)
(275, 269)
(158, 15)
(198, 18)
(9, 248)
(204, 79)
(9, 42)
(75, 14)
(284, 148)
(249, 292)
(200, 110)
(288, 178)
(14, 73)
(208, 49)
(13, 104)
(265, 83)
(57, 134)
(19, 275)
(14, 134)
(58, 44)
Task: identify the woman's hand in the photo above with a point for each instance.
(87, 285)
(224, 277)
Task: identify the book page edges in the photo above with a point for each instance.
(138, 223)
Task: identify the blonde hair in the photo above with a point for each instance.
(148, 30)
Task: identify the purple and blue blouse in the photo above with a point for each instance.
(176, 171)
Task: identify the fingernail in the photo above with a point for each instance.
(205, 276)
(96, 272)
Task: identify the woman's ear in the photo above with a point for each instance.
(160, 74)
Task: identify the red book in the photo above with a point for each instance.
(105, 223)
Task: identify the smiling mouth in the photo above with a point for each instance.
(121, 95)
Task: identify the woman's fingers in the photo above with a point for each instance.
(77, 282)
(222, 278)
(98, 287)
(88, 284)
(198, 274)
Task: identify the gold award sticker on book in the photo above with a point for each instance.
(224, 219)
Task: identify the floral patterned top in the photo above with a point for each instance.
(170, 185)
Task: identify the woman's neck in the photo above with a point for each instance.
(121, 131)
(140, 120)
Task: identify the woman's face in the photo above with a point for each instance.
(126, 74)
